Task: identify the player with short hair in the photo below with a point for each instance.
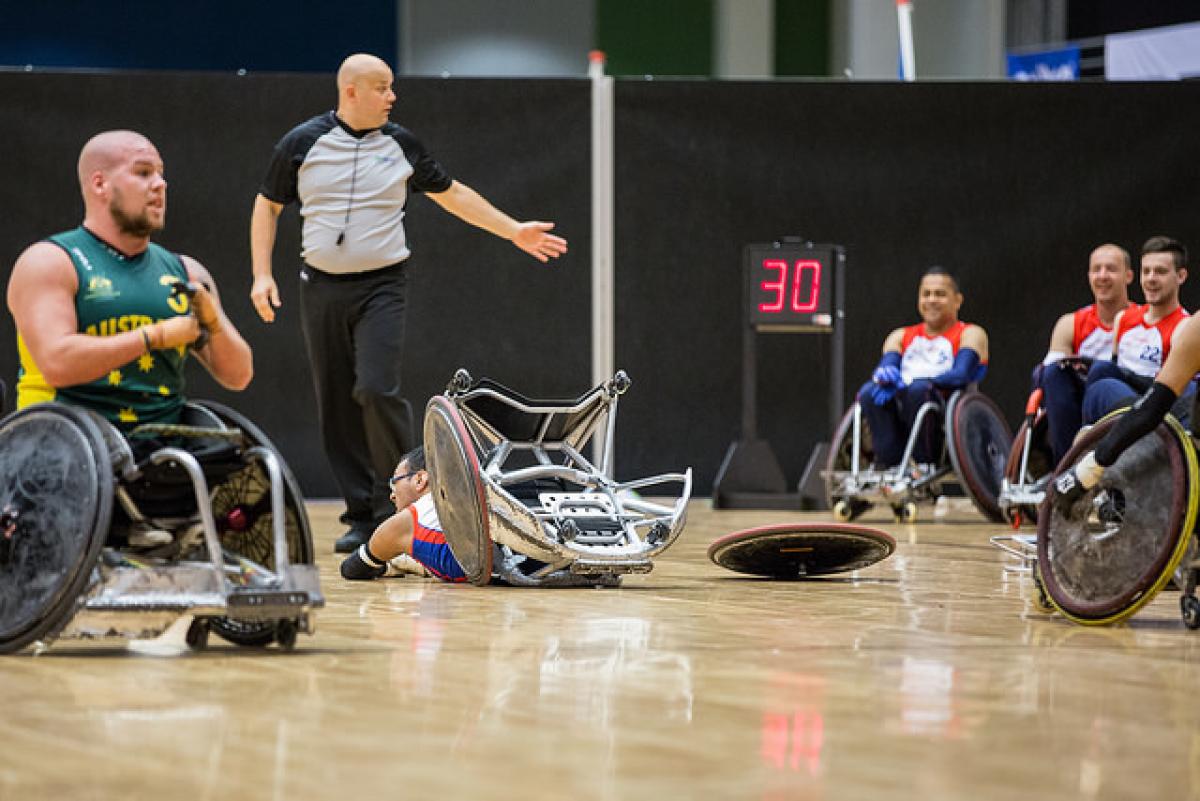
(1144, 334)
(411, 540)
(1086, 334)
(939, 354)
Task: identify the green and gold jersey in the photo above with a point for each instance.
(119, 293)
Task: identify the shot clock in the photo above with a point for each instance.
(790, 286)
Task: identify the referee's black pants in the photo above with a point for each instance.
(354, 336)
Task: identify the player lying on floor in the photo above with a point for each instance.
(411, 540)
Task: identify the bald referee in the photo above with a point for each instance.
(352, 172)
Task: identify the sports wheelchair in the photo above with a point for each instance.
(518, 500)
(976, 444)
(1120, 543)
(230, 542)
(1029, 466)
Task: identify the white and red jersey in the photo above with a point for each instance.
(1143, 347)
(426, 526)
(925, 356)
(1093, 338)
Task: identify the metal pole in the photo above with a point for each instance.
(603, 283)
(908, 58)
(837, 346)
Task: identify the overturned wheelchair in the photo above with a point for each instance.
(104, 536)
(518, 500)
(1118, 545)
(974, 449)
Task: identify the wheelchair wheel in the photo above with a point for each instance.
(1038, 464)
(839, 461)
(56, 491)
(242, 509)
(457, 488)
(979, 441)
(1122, 540)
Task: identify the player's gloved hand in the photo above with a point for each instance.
(887, 380)
(204, 306)
(1074, 483)
(887, 375)
(172, 332)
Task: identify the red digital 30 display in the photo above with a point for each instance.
(789, 286)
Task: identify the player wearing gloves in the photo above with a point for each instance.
(1147, 412)
(922, 362)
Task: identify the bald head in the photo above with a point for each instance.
(365, 93)
(360, 66)
(106, 151)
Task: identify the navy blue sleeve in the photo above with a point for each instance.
(964, 371)
(280, 183)
(428, 175)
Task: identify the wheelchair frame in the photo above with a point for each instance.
(851, 493)
(137, 593)
(579, 526)
(1021, 493)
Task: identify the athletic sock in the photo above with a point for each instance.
(362, 565)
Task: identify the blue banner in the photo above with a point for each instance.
(1049, 65)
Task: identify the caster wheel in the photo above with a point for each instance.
(847, 509)
(197, 635)
(1189, 607)
(1040, 599)
(285, 634)
(905, 512)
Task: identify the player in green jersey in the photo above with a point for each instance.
(100, 320)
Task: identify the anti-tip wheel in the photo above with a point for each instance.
(905, 512)
(1189, 607)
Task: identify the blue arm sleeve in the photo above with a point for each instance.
(964, 371)
(890, 359)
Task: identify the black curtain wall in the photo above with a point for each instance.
(1008, 185)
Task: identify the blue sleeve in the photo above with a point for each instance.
(965, 370)
(890, 359)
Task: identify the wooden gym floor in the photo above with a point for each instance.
(927, 676)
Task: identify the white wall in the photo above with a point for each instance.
(952, 38)
(744, 38)
(481, 38)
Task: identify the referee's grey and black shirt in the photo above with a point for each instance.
(353, 187)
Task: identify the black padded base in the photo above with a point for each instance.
(798, 550)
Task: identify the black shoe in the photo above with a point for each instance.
(350, 541)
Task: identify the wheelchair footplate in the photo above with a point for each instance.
(137, 598)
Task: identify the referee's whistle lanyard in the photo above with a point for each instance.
(350, 200)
